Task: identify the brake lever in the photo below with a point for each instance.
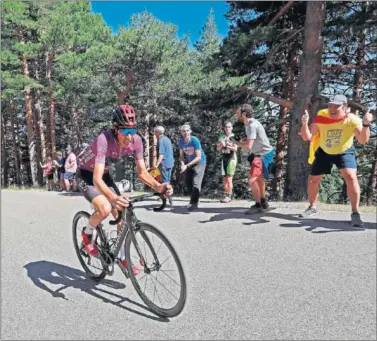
(117, 220)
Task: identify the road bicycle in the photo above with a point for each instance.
(145, 247)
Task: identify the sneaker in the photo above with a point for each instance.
(356, 219)
(192, 207)
(255, 209)
(264, 204)
(310, 211)
(225, 199)
(89, 247)
(170, 201)
(135, 269)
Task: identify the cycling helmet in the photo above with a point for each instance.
(124, 116)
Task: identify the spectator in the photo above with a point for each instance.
(332, 135)
(59, 163)
(165, 156)
(261, 157)
(70, 166)
(228, 148)
(48, 172)
(191, 151)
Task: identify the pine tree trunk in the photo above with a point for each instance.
(288, 93)
(372, 183)
(297, 163)
(16, 155)
(39, 134)
(76, 128)
(51, 107)
(38, 117)
(358, 83)
(4, 153)
(29, 119)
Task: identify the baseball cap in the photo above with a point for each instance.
(339, 100)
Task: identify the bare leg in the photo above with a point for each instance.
(262, 186)
(353, 187)
(313, 183)
(254, 185)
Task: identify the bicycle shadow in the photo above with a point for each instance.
(312, 224)
(68, 277)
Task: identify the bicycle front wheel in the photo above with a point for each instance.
(161, 283)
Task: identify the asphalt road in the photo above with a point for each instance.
(268, 277)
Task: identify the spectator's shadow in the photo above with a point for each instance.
(312, 224)
(226, 212)
(58, 274)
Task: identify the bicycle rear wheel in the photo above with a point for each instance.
(162, 270)
(92, 265)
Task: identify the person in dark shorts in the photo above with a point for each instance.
(331, 137)
(93, 178)
(59, 164)
(228, 149)
(165, 156)
(191, 151)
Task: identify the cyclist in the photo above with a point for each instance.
(94, 180)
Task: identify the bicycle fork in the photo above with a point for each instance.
(156, 264)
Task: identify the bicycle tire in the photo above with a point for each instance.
(177, 309)
(91, 274)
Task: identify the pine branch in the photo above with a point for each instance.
(281, 12)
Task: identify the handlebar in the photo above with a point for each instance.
(133, 200)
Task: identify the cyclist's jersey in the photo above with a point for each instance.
(106, 150)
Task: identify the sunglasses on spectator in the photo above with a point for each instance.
(126, 131)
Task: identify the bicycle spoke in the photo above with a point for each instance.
(171, 278)
(158, 296)
(166, 288)
(145, 286)
(166, 260)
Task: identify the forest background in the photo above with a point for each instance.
(63, 70)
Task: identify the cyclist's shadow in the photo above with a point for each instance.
(58, 274)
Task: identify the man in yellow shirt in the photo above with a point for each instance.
(332, 131)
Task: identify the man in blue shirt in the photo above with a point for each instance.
(193, 164)
(165, 158)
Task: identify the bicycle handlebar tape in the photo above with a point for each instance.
(117, 220)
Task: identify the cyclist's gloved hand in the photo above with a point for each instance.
(119, 202)
(165, 189)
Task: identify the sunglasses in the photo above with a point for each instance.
(126, 131)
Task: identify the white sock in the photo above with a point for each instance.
(89, 229)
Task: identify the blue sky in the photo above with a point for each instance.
(189, 16)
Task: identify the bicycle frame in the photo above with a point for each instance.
(129, 225)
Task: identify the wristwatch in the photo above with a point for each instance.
(366, 125)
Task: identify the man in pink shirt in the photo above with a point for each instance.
(70, 169)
